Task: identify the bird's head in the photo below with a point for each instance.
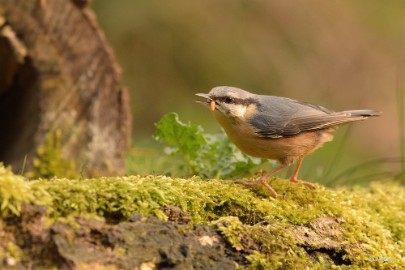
(229, 101)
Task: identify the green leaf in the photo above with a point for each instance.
(207, 155)
(184, 139)
(187, 138)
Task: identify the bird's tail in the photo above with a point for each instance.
(363, 113)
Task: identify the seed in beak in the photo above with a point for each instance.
(212, 105)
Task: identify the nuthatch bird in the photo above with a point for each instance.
(277, 128)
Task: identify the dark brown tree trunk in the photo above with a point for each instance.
(57, 72)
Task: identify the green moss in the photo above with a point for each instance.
(362, 227)
(14, 191)
(50, 162)
(268, 245)
(13, 251)
(10, 254)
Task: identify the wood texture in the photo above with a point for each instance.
(57, 71)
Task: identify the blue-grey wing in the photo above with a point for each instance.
(279, 117)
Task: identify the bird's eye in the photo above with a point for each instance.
(228, 100)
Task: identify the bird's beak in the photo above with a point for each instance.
(209, 101)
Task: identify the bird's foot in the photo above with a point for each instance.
(248, 183)
(308, 184)
(261, 173)
(269, 188)
(262, 181)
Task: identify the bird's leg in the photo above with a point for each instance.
(263, 178)
(294, 177)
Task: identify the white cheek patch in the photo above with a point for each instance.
(238, 110)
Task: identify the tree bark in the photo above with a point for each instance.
(57, 72)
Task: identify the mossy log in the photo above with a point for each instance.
(57, 72)
(154, 222)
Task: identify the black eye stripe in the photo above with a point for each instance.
(228, 100)
(233, 100)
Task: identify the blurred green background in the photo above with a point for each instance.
(341, 54)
